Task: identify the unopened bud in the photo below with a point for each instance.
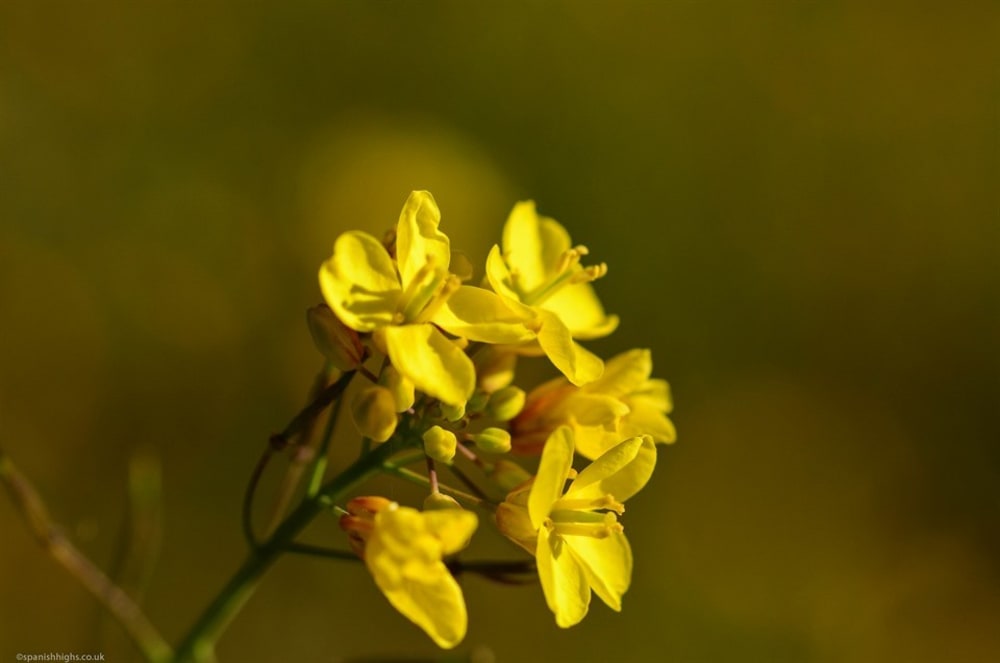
(359, 520)
(506, 475)
(439, 502)
(477, 403)
(440, 444)
(399, 386)
(506, 403)
(374, 412)
(493, 440)
(495, 369)
(338, 342)
(452, 412)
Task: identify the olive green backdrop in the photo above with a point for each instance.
(798, 205)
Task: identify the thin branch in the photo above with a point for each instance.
(51, 537)
(279, 441)
(320, 551)
(251, 491)
(311, 411)
(421, 480)
(469, 483)
(432, 476)
(319, 467)
(302, 454)
(507, 572)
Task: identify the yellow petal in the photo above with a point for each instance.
(578, 306)
(644, 419)
(359, 282)
(553, 468)
(578, 364)
(400, 388)
(418, 239)
(606, 563)
(657, 393)
(532, 246)
(453, 527)
(480, 315)
(434, 602)
(563, 581)
(594, 409)
(621, 471)
(592, 441)
(404, 558)
(513, 522)
(499, 276)
(624, 374)
(435, 365)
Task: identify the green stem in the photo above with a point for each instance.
(319, 468)
(199, 644)
(420, 480)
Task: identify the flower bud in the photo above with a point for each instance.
(506, 403)
(505, 474)
(360, 519)
(399, 386)
(452, 412)
(338, 343)
(495, 369)
(493, 440)
(374, 412)
(440, 501)
(440, 444)
(478, 402)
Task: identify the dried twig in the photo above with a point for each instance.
(51, 537)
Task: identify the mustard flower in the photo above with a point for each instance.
(624, 402)
(574, 533)
(537, 272)
(406, 299)
(403, 550)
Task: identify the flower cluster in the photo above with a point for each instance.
(439, 357)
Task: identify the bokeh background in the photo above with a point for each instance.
(798, 204)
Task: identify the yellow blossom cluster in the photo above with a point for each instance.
(440, 356)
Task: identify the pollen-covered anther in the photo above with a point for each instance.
(591, 273)
(570, 258)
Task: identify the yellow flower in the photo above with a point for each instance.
(538, 272)
(574, 532)
(624, 402)
(403, 549)
(405, 300)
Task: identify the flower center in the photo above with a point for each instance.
(567, 272)
(427, 292)
(583, 523)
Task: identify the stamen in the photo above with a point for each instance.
(598, 530)
(570, 258)
(567, 272)
(607, 502)
(422, 288)
(591, 273)
(448, 288)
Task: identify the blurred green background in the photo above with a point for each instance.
(798, 204)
